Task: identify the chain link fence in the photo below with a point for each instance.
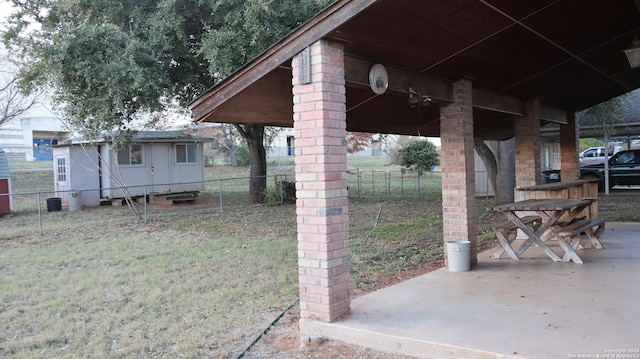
(370, 183)
(37, 213)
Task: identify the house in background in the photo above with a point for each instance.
(626, 132)
(158, 163)
(32, 138)
(283, 147)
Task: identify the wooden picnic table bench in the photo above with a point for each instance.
(571, 235)
(556, 218)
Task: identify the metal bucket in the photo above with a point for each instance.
(459, 256)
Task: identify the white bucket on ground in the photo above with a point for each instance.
(459, 255)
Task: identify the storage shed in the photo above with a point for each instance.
(5, 184)
(157, 163)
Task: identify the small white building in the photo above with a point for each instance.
(283, 146)
(32, 138)
(157, 163)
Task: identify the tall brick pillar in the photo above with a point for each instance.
(319, 121)
(459, 218)
(569, 142)
(527, 133)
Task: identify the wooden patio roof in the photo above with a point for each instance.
(566, 53)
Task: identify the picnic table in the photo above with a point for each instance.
(559, 219)
(575, 189)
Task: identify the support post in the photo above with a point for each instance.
(569, 142)
(459, 216)
(527, 133)
(321, 187)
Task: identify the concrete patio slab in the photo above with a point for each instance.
(534, 308)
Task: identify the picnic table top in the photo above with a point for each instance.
(549, 204)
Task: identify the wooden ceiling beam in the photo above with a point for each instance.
(357, 74)
(439, 91)
(553, 114)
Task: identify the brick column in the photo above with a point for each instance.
(459, 218)
(527, 133)
(319, 106)
(569, 142)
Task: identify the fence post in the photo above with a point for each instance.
(144, 190)
(418, 184)
(220, 188)
(280, 189)
(358, 180)
(388, 179)
(373, 182)
(40, 214)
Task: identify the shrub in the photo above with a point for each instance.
(420, 156)
(242, 155)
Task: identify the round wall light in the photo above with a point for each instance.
(378, 79)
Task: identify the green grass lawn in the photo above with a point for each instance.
(198, 282)
(192, 285)
(30, 165)
(164, 289)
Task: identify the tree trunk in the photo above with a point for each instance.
(489, 159)
(499, 160)
(233, 159)
(254, 135)
(229, 144)
(506, 179)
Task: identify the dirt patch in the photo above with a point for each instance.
(283, 339)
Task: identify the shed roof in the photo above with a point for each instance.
(566, 53)
(148, 137)
(168, 136)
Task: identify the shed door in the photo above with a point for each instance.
(61, 173)
(160, 173)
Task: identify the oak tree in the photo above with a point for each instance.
(112, 65)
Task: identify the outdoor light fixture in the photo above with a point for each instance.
(378, 79)
(633, 54)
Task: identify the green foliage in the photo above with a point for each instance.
(419, 156)
(242, 155)
(607, 114)
(112, 65)
(590, 142)
(109, 64)
(249, 27)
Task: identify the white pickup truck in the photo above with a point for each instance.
(595, 155)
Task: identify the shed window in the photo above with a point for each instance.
(186, 153)
(130, 156)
